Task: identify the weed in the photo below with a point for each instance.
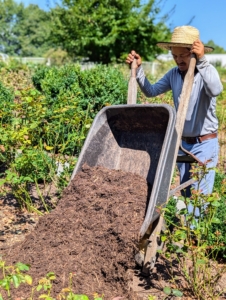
(13, 275)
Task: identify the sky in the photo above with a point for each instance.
(207, 15)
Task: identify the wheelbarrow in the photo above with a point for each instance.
(142, 139)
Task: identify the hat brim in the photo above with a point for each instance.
(169, 45)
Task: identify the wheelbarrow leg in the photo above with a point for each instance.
(154, 244)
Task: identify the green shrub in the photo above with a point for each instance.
(48, 123)
(54, 82)
(39, 75)
(73, 98)
(36, 164)
(102, 86)
(217, 233)
(6, 102)
(92, 89)
(216, 237)
(15, 65)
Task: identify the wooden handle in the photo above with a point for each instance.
(180, 120)
(183, 106)
(132, 86)
(184, 98)
(134, 68)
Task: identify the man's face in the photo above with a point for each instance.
(182, 57)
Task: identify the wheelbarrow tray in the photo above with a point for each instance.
(134, 138)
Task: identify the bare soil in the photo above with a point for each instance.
(93, 233)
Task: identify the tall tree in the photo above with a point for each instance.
(8, 18)
(105, 30)
(24, 30)
(32, 30)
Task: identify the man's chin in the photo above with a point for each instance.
(182, 68)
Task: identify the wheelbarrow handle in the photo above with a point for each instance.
(134, 68)
(132, 86)
(180, 120)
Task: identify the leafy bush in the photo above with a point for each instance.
(50, 120)
(32, 121)
(36, 164)
(6, 101)
(216, 237)
(54, 82)
(102, 86)
(93, 89)
(73, 98)
(193, 243)
(38, 76)
(15, 65)
(217, 233)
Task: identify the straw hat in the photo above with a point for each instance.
(183, 36)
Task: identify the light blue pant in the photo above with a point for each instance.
(205, 151)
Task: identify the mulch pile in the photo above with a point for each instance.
(93, 233)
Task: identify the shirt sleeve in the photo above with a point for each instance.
(152, 90)
(210, 76)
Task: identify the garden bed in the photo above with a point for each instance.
(92, 234)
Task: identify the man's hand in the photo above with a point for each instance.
(131, 57)
(198, 49)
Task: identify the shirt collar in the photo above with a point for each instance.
(183, 73)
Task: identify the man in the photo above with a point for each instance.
(201, 124)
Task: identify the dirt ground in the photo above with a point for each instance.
(92, 234)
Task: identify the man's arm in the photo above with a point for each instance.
(149, 90)
(209, 74)
(152, 90)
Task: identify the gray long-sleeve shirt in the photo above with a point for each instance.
(201, 116)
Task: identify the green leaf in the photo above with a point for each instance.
(22, 267)
(177, 293)
(216, 221)
(163, 238)
(17, 93)
(39, 287)
(5, 283)
(180, 234)
(179, 250)
(50, 274)
(215, 203)
(28, 279)
(16, 281)
(167, 290)
(33, 92)
(80, 297)
(183, 211)
(200, 262)
(194, 223)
